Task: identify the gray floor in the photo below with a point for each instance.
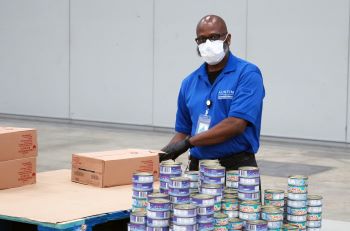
(327, 166)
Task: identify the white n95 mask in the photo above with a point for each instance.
(212, 52)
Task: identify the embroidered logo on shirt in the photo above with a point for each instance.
(225, 94)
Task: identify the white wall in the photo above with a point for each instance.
(123, 61)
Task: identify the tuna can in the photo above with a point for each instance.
(136, 227)
(158, 214)
(184, 220)
(248, 196)
(211, 189)
(316, 209)
(314, 216)
(248, 188)
(301, 225)
(314, 224)
(249, 181)
(206, 226)
(170, 168)
(139, 202)
(298, 180)
(142, 186)
(164, 190)
(297, 211)
(250, 207)
(230, 196)
(214, 179)
(274, 225)
(248, 172)
(166, 177)
(220, 228)
(142, 177)
(277, 203)
(207, 210)
(164, 185)
(157, 196)
(249, 216)
(150, 228)
(179, 182)
(235, 224)
(229, 204)
(220, 219)
(217, 207)
(159, 205)
(194, 184)
(138, 217)
(140, 194)
(185, 210)
(179, 191)
(206, 163)
(231, 213)
(295, 218)
(257, 225)
(205, 218)
(314, 200)
(232, 184)
(273, 214)
(157, 222)
(296, 204)
(290, 227)
(177, 227)
(214, 171)
(230, 191)
(192, 175)
(232, 175)
(274, 194)
(180, 199)
(297, 196)
(297, 189)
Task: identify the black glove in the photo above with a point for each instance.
(173, 151)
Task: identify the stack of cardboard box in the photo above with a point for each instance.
(18, 152)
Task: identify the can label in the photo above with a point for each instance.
(138, 218)
(297, 189)
(157, 222)
(295, 218)
(297, 196)
(277, 203)
(158, 214)
(205, 218)
(250, 207)
(142, 186)
(177, 227)
(206, 226)
(274, 195)
(136, 227)
(180, 199)
(166, 177)
(314, 224)
(150, 228)
(232, 184)
(297, 211)
(235, 224)
(141, 194)
(272, 216)
(250, 172)
(301, 225)
(249, 216)
(214, 171)
(298, 180)
(231, 213)
(316, 209)
(208, 210)
(274, 224)
(227, 204)
(142, 178)
(164, 190)
(192, 175)
(194, 184)
(184, 220)
(314, 202)
(211, 191)
(179, 191)
(296, 204)
(190, 211)
(314, 216)
(232, 175)
(257, 226)
(248, 188)
(179, 182)
(213, 180)
(170, 169)
(217, 207)
(158, 205)
(249, 196)
(249, 181)
(203, 202)
(139, 202)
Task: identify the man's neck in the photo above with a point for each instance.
(219, 66)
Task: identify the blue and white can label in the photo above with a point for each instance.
(157, 222)
(184, 220)
(249, 172)
(158, 214)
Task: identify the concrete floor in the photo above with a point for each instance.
(328, 166)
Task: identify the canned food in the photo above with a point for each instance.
(214, 171)
(249, 216)
(164, 185)
(248, 172)
(274, 194)
(290, 227)
(185, 210)
(170, 168)
(179, 182)
(205, 163)
(231, 213)
(214, 179)
(229, 204)
(180, 199)
(274, 214)
(184, 220)
(314, 216)
(297, 211)
(230, 191)
(142, 177)
(140, 194)
(142, 186)
(206, 226)
(297, 189)
(157, 196)
(298, 180)
(217, 207)
(250, 207)
(177, 227)
(264, 207)
(179, 191)
(314, 200)
(296, 204)
(192, 175)
(159, 205)
(157, 222)
(138, 217)
(139, 202)
(136, 227)
(314, 224)
(235, 223)
(277, 203)
(249, 196)
(249, 181)
(158, 214)
(232, 184)
(316, 209)
(166, 177)
(164, 191)
(295, 218)
(313, 229)
(205, 218)
(248, 188)
(220, 228)
(138, 209)
(203, 200)
(274, 225)
(297, 196)
(208, 210)
(232, 175)
(220, 219)
(257, 225)
(150, 228)
(230, 196)
(301, 225)
(194, 184)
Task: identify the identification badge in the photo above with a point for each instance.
(203, 123)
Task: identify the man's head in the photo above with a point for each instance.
(209, 29)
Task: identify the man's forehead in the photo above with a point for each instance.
(211, 23)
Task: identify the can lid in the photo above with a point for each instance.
(272, 210)
(216, 167)
(234, 220)
(298, 177)
(185, 206)
(248, 168)
(230, 200)
(250, 203)
(158, 195)
(257, 222)
(232, 172)
(202, 196)
(180, 178)
(143, 174)
(139, 213)
(290, 227)
(211, 186)
(170, 162)
(230, 196)
(230, 191)
(159, 201)
(314, 197)
(274, 191)
(220, 215)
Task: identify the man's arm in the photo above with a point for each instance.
(177, 137)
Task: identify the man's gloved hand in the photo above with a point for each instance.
(173, 151)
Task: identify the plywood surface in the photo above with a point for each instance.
(55, 199)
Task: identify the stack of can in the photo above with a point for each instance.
(205, 210)
(202, 165)
(235, 224)
(158, 214)
(230, 206)
(232, 179)
(179, 191)
(221, 222)
(256, 225)
(273, 211)
(168, 169)
(137, 221)
(297, 201)
(184, 217)
(249, 211)
(314, 213)
(142, 185)
(193, 176)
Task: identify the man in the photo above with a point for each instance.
(219, 104)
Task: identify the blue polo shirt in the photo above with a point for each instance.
(237, 92)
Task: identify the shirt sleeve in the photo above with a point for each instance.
(247, 100)
(183, 122)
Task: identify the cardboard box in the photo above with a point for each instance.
(16, 173)
(112, 168)
(17, 143)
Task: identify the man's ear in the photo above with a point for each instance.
(229, 39)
